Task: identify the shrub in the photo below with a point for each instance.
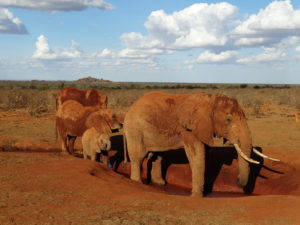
(18, 99)
(38, 105)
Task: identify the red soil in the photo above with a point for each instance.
(39, 186)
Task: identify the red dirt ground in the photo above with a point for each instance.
(40, 186)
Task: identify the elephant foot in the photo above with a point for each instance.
(197, 194)
(241, 182)
(137, 179)
(158, 181)
(64, 153)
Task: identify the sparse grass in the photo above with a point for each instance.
(38, 97)
(36, 102)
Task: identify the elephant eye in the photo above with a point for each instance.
(228, 120)
(114, 116)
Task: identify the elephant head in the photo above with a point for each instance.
(105, 120)
(230, 122)
(104, 142)
(209, 116)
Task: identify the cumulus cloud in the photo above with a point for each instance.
(211, 28)
(268, 55)
(106, 53)
(278, 52)
(278, 20)
(128, 53)
(199, 25)
(56, 5)
(10, 24)
(45, 52)
(211, 57)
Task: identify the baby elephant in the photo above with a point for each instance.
(94, 142)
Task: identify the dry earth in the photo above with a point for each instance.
(40, 186)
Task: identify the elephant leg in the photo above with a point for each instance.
(136, 154)
(105, 159)
(71, 144)
(156, 172)
(64, 146)
(93, 156)
(116, 160)
(196, 155)
(84, 155)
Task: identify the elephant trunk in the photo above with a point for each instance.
(244, 171)
(244, 147)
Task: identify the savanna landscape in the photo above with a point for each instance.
(39, 185)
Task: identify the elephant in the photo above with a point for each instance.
(85, 97)
(73, 119)
(158, 122)
(94, 142)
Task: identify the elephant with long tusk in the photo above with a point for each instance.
(160, 122)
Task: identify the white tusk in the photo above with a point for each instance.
(264, 156)
(243, 155)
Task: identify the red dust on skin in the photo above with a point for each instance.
(85, 97)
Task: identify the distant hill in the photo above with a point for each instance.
(92, 79)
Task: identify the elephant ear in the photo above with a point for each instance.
(102, 126)
(196, 118)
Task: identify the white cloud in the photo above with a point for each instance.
(211, 57)
(56, 5)
(209, 28)
(268, 55)
(47, 58)
(129, 53)
(252, 41)
(106, 53)
(278, 20)
(137, 40)
(45, 52)
(199, 25)
(10, 24)
(278, 52)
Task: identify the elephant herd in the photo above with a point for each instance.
(157, 122)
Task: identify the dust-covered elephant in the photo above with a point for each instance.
(73, 119)
(94, 142)
(160, 122)
(85, 97)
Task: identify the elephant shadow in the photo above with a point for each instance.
(215, 158)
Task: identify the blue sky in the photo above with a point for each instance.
(164, 41)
